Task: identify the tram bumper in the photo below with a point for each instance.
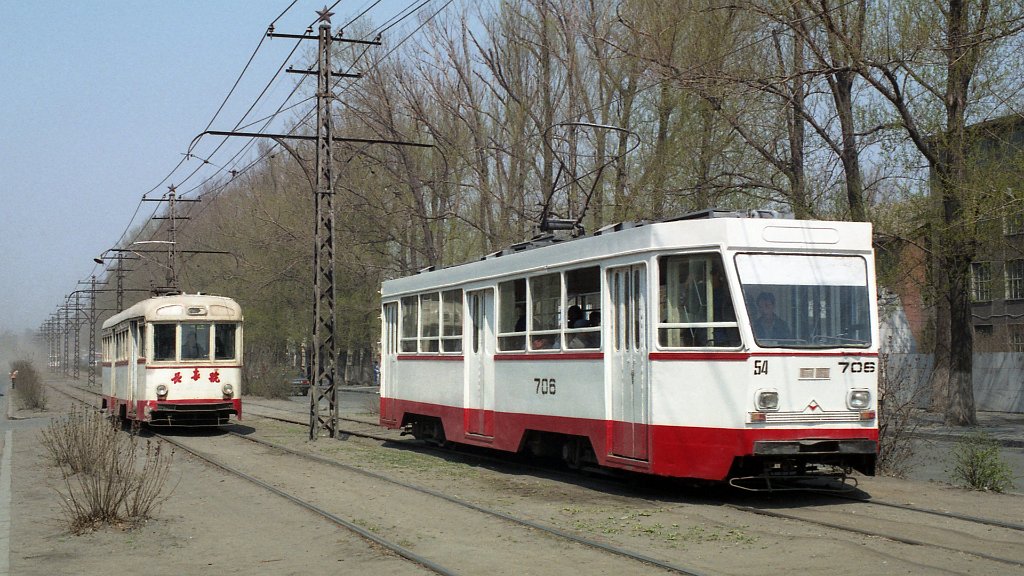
(212, 414)
(856, 453)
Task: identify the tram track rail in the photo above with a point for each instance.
(395, 547)
(849, 527)
(292, 417)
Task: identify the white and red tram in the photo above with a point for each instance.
(713, 346)
(174, 360)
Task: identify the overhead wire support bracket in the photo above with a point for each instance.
(323, 365)
(310, 137)
(336, 38)
(314, 73)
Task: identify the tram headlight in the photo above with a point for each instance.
(228, 390)
(161, 390)
(859, 399)
(767, 400)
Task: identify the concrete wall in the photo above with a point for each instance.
(998, 379)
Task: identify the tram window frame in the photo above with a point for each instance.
(169, 349)
(512, 319)
(544, 318)
(693, 323)
(534, 311)
(430, 322)
(409, 326)
(199, 334)
(451, 321)
(583, 290)
(225, 338)
(823, 300)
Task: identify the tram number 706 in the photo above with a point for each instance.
(545, 386)
(858, 367)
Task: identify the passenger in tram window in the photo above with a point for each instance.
(575, 318)
(521, 321)
(593, 339)
(767, 325)
(543, 342)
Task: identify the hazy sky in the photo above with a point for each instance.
(99, 101)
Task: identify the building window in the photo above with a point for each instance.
(1015, 280)
(981, 281)
(1015, 337)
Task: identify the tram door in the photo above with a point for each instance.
(131, 345)
(388, 360)
(628, 357)
(479, 358)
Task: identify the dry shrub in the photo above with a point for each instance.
(110, 479)
(897, 398)
(29, 386)
(76, 440)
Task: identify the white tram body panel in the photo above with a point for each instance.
(174, 360)
(700, 348)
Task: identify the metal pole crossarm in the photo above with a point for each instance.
(168, 200)
(337, 38)
(164, 252)
(291, 70)
(306, 137)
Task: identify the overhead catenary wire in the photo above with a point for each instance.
(182, 161)
(335, 84)
(230, 166)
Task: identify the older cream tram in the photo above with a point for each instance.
(174, 360)
(714, 346)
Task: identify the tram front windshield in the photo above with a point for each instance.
(806, 301)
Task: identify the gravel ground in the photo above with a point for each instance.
(212, 522)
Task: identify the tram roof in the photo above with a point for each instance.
(176, 307)
(706, 230)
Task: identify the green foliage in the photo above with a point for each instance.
(979, 466)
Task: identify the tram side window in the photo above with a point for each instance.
(410, 322)
(430, 309)
(451, 321)
(546, 310)
(583, 315)
(224, 341)
(512, 315)
(164, 341)
(195, 341)
(119, 343)
(695, 306)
